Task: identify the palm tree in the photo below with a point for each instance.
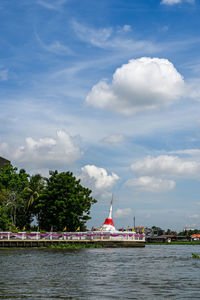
(34, 189)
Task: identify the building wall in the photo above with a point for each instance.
(3, 161)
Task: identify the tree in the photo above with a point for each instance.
(64, 202)
(12, 185)
(5, 211)
(5, 219)
(168, 231)
(33, 190)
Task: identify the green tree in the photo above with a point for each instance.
(5, 211)
(5, 218)
(33, 190)
(12, 185)
(168, 231)
(64, 202)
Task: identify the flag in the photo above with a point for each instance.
(78, 229)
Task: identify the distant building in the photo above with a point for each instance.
(3, 162)
(153, 232)
(195, 237)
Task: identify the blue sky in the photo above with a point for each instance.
(108, 90)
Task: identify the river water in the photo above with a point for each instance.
(153, 272)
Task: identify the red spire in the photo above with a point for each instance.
(109, 222)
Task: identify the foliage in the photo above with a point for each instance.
(12, 185)
(64, 202)
(75, 245)
(58, 202)
(195, 255)
(33, 190)
(175, 243)
(5, 218)
(168, 231)
(16, 190)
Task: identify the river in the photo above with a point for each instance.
(153, 272)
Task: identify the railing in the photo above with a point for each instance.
(98, 235)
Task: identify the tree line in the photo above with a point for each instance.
(56, 203)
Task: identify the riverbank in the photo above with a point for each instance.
(73, 243)
(175, 243)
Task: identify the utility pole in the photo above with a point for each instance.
(134, 222)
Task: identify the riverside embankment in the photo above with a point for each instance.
(103, 239)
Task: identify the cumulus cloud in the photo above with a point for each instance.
(45, 152)
(156, 173)
(98, 179)
(151, 184)
(142, 84)
(114, 139)
(122, 212)
(165, 165)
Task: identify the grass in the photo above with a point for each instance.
(175, 243)
(195, 255)
(75, 246)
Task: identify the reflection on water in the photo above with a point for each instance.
(153, 272)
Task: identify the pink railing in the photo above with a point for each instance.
(72, 235)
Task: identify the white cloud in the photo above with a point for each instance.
(192, 152)
(125, 28)
(164, 28)
(55, 47)
(151, 184)
(96, 37)
(166, 165)
(195, 216)
(57, 152)
(193, 89)
(112, 39)
(114, 139)
(142, 84)
(122, 212)
(53, 5)
(3, 74)
(98, 179)
(172, 2)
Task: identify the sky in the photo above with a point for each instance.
(109, 90)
